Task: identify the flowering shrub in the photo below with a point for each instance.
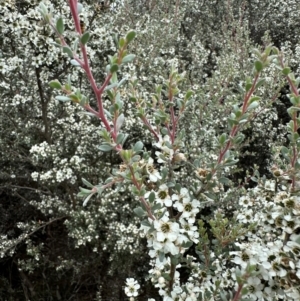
(209, 234)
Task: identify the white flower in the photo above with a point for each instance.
(132, 287)
(166, 229)
(270, 185)
(164, 156)
(165, 247)
(190, 209)
(190, 230)
(163, 197)
(162, 141)
(183, 197)
(255, 287)
(152, 172)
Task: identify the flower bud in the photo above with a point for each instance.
(179, 157)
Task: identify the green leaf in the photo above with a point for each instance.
(258, 66)
(122, 42)
(224, 180)
(295, 100)
(157, 206)
(151, 197)
(120, 122)
(85, 38)
(285, 71)
(139, 211)
(256, 52)
(223, 296)
(87, 199)
(138, 146)
(79, 8)
(75, 63)
(187, 244)
(223, 138)
(55, 84)
(125, 138)
(238, 139)
(253, 105)
(254, 98)
(146, 223)
(111, 86)
(130, 36)
(120, 138)
(164, 173)
(232, 122)
(60, 25)
(128, 58)
(85, 191)
(68, 51)
(260, 83)
(254, 179)
(122, 81)
(87, 183)
(105, 147)
(188, 95)
(43, 9)
(178, 187)
(62, 98)
(136, 158)
(114, 68)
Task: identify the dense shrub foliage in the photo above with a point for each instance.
(173, 176)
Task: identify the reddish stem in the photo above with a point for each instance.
(85, 65)
(295, 129)
(235, 128)
(238, 293)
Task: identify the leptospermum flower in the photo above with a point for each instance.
(190, 209)
(131, 290)
(165, 155)
(162, 141)
(153, 173)
(166, 229)
(163, 196)
(181, 198)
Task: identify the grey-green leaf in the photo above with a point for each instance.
(55, 84)
(105, 147)
(138, 146)
(75, 63)
(68, 51)
(60, 25)
(139, 211)
(130, 36)
(62, 98)
(85, 38)
(120, 122)
(128, 58)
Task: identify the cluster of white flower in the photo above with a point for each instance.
(275, 247)
(72, 143)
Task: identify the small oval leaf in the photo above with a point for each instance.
(120, 122)
(55, 84)
(75, 63)
(114, 68)
(128, 58)
(130, 36)
(62, 98)
(85, 38)
(105, 147)
(60, 25)
(68, 51)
